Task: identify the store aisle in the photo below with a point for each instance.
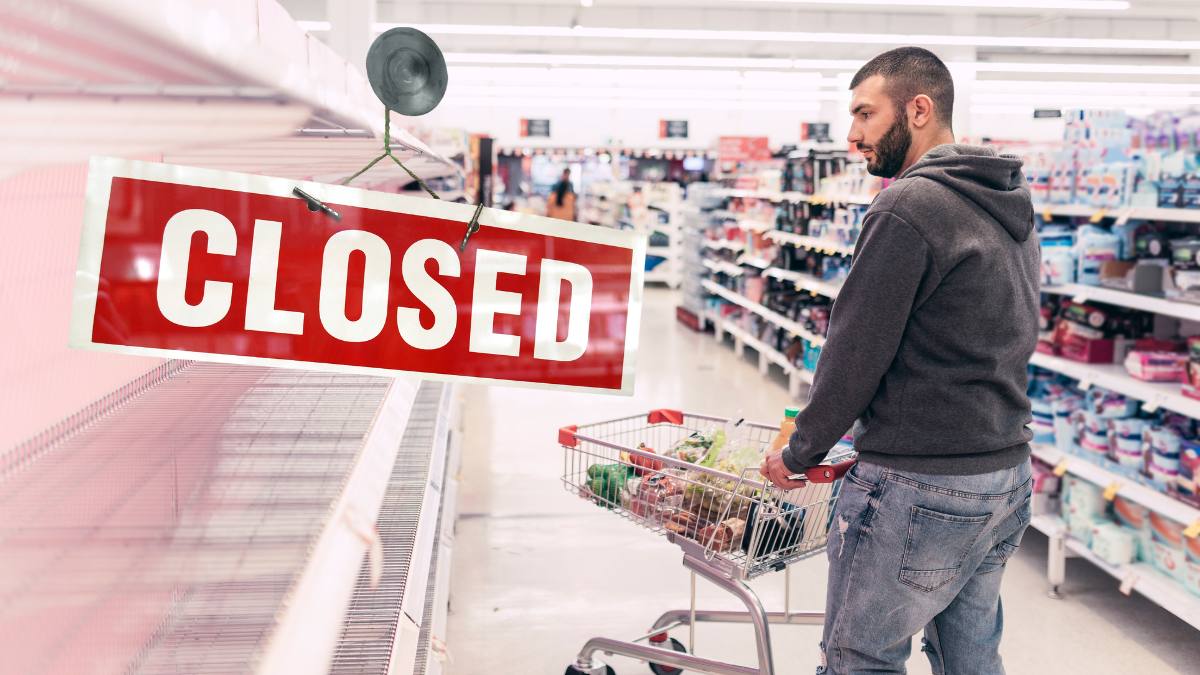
(537, 571)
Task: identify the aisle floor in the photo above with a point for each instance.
(537, 572)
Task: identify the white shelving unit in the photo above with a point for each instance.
(1124, 212)
(777, 196)
(753, 261)
(1154, 395)
(1140, 577)
(767, 355)
(1112, 296)
(761, 310)
(724, 244)
(1142, 494)
(813, 243)
(806, 282)
(670, 271)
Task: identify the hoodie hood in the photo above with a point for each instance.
(994, 182)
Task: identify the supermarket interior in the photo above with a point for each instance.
(641, 215)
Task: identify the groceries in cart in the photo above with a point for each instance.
(705, 487)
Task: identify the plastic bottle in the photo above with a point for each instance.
(786, 428)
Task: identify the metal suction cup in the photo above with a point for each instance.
(407, 71)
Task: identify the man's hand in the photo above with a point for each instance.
(775, 471)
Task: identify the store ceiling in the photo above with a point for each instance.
(742, 23)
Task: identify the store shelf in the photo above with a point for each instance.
(114, 78)
(222, 513)
(813, 243)
(776, 196)
(726, 244)
(1153, 395)
(1126, 212)
(723, 267)
(755, 225)
(759, 309)
(806, 282)
(1142, 494)
(759, 346)
(1140, 577)
(1110, 296)
(753, 261)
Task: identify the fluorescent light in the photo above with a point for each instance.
(627, 61)
(848, 65)
(315, 26)
(602, 95)
(1078, 5)
(1074, 100)
(451, 101)
(1083, 87)
(1082, 68)
(801, 37)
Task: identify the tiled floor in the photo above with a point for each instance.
(537, 572)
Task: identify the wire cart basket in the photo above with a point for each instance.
(731, 524)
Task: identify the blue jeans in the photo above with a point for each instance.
(910, 552)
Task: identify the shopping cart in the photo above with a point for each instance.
(732, 527)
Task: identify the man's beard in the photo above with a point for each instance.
(891, 150)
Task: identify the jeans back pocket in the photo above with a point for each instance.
(936, 546)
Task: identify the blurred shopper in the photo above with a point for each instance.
(927, 349)
(561, 203)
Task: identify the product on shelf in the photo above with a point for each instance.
(1166, 545)
(1155, 366)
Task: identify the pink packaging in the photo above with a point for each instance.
(1157, 366)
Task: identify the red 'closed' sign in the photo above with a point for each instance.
(193, 263)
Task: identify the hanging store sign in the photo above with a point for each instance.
(181, 262)
(743, 149)
(535, 128)
(672, 129)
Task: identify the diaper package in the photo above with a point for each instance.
(1113, 544)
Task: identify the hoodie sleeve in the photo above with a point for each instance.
(891, 260)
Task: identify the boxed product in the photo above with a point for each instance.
(1113, 543)
(1135, 518)
(1191, 573)
(1157, 366)
(1166, 545)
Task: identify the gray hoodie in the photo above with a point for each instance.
(931, 334)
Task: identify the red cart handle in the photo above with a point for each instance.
(827, 473)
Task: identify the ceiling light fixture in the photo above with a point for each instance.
(1110, 44)
(851, 65)
(1076, 5)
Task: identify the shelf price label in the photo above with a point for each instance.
(1047, 215)
(1193, 530)
(1060, 469)
(1098, 216)
(1110, 492)
(1128, 582)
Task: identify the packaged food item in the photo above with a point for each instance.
(1157, 366)
(781, 529)
(1130, 452)
(1187, 483)
(1129, 427)
(1167, 545)
(721, 537)
(1191, 573)
(1113, 544)
(1136, 519)
(607, 481)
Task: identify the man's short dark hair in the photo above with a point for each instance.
(908, 72)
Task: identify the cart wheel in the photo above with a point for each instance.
(572, 670)
(660, 669)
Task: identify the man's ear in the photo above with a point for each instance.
(920, 111)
